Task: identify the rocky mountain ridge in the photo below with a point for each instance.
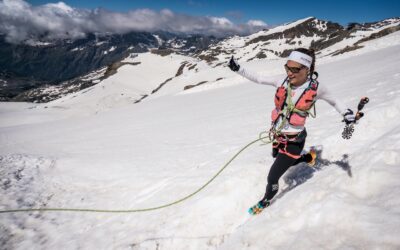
(309, 32)
(101, 57)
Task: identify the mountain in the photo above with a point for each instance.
(98, 148)
(45, 72)
(325, 37)
(36, 64)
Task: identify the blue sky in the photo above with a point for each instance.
(271, 12)
(74, 19)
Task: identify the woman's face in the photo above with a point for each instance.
(296, 72)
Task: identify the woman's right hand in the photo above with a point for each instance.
(349, 117)
(233, 64)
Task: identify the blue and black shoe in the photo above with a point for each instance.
(259, 207)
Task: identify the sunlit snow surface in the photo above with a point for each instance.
(97, 149)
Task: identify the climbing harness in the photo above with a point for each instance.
(294, 113)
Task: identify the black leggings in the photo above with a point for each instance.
(283, 162)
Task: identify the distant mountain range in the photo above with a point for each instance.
(28, 71)
(28, 66)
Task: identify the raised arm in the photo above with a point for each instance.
(252, 76)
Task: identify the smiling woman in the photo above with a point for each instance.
(300, 66)
(294, 99)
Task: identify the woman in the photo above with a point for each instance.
(294, 100)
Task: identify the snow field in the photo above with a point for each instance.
(142, 155)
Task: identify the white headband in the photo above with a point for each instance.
(301, 58)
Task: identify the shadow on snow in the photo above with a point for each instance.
(301, 173)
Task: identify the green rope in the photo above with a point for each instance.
(134, 210)
(315, 112)
(266, 135)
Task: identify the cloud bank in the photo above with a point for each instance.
(20, 21)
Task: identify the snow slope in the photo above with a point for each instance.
(126, 156)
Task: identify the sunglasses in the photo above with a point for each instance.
(294, 70)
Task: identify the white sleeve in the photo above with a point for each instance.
(254, 77)
(325, 94)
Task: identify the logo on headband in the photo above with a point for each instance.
(305, 59)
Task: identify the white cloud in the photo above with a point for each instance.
(59, 7)
(20, 21)
(222, 21)
(256, 23)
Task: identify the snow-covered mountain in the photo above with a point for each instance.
(36, 65)
(325, 37)
(161, 126)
